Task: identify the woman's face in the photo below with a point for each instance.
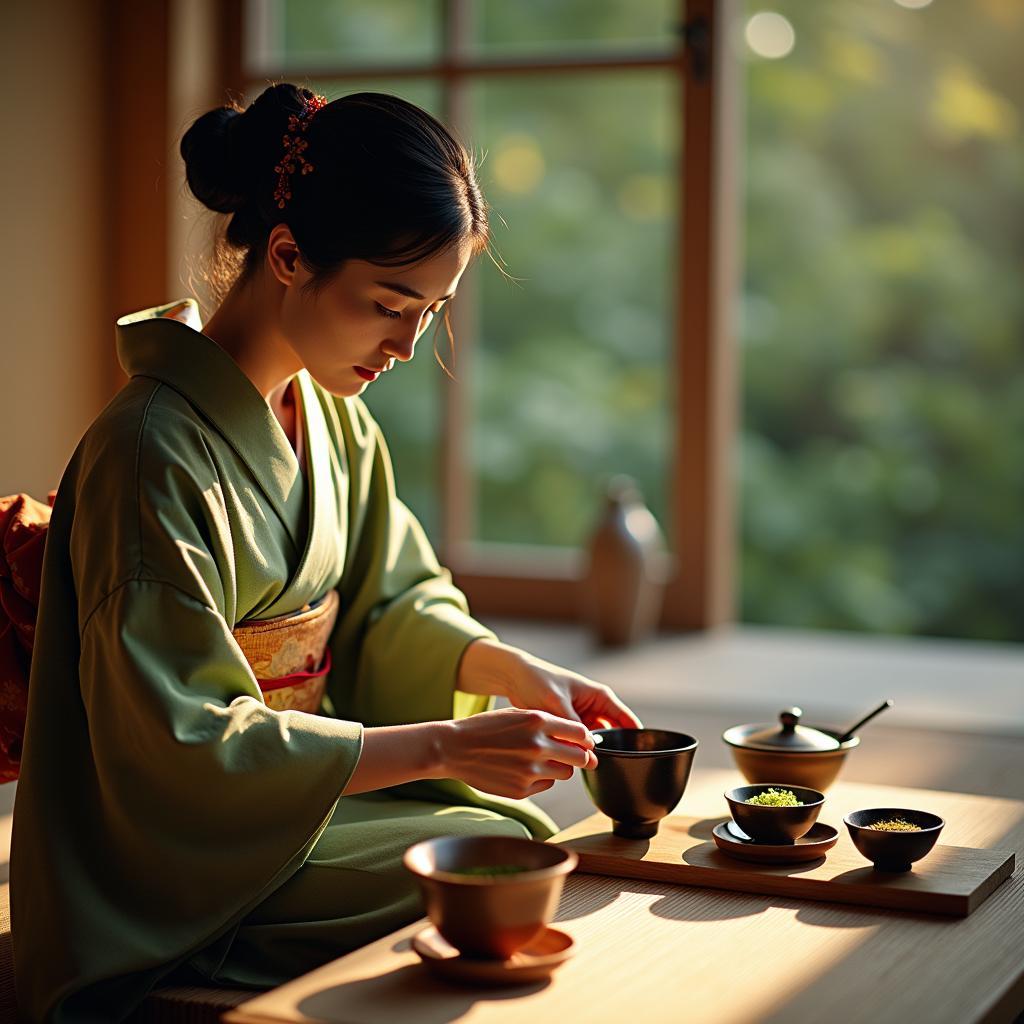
(367, 318)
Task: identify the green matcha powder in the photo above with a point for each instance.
(775, 798)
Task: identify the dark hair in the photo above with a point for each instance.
(391, 185)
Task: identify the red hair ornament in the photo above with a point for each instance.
(294, 146)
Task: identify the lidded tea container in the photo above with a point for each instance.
(801, 755)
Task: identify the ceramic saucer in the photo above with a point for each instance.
(729, 839)
(534, 962)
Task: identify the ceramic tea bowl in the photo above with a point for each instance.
(893, 851)
(799, 755)
(489, 916)
(640, 777)
(767, 824)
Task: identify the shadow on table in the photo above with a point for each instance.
(581, 898)
(702, 829)
(691, 904)
(407, 993)
(684, 903)
(848, 915)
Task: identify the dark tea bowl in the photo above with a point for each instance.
(767, 824)
(639, 778)
(489, 916)
(893, 851)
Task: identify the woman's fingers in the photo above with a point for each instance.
(573, 756)
(558, 770)
(567, 729)
(614, 715)
(516, 752)
(626, 718)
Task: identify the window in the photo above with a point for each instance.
(566, 374)
(569, 377)
(868, 327)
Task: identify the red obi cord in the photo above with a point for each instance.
(297, 678)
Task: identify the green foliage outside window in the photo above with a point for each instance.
(882, 483)
(881, 458)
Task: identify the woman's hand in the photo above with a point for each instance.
(510, 752)
(491, 667)
(513, 752)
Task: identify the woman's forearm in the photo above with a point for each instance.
(485, 667)
(394, 754)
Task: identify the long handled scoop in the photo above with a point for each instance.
(867, 718)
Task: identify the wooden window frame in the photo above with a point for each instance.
(541, 582)
(136, 75)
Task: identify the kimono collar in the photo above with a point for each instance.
(166, 342)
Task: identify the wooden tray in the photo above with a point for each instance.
(953, 880)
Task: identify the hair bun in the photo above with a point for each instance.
(214, 165)
(230, 153)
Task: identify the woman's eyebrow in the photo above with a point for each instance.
(404, 289)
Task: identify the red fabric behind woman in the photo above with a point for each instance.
(23, 525)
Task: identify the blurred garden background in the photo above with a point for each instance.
(879, 464)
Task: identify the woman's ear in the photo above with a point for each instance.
(283, 254)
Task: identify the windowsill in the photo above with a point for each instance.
(958, 685)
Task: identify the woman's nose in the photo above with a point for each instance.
(402, 347)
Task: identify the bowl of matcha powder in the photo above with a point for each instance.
(773, 812)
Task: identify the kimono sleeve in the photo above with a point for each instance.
(159, 808)
(405, 625)
(188, 759)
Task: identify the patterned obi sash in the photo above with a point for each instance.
(289, 654)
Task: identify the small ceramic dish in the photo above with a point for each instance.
(730, 839)
(893, 851)
(533, 962)
(769, 824)
(484, 913)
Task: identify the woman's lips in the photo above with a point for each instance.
(365, 374)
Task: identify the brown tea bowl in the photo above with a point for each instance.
(489, 916)
(816, 769)
(766, 824)
(640, 777)
(893, 851)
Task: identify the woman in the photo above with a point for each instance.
(170, 817)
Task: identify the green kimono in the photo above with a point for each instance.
(166, 819)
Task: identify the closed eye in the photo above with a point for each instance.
(394, 314)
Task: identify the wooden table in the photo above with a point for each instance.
(653, 952)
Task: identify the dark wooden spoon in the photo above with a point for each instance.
(867, 718)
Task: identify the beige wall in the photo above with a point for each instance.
(52, 285)
(58, 287)
(192, 91)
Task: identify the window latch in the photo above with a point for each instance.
(696, 37)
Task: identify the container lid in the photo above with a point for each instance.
(788, 735)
